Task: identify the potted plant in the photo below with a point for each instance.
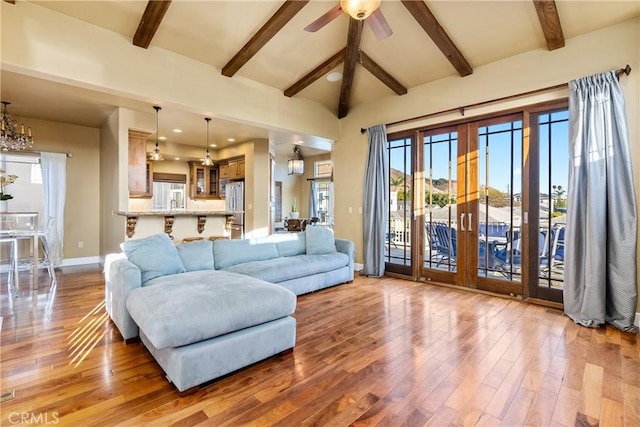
(5, 180)
(294, 209)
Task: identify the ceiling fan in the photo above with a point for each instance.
(360, 10)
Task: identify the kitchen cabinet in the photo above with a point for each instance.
(236, 169)
(203, 183)
(224, 170)
(140, 171)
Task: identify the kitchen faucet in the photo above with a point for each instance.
(172, 203)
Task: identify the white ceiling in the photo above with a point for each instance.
(213, 31)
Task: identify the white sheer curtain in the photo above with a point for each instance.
(376, 183)
(54, 185)
(600, 283)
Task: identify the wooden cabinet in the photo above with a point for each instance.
(236, 169)
(140, 169)
(203, 183)
(224, 170)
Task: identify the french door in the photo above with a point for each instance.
(466, 230)
(487, 203)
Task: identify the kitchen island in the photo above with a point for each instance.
(178, 224)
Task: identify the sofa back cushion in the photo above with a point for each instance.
(320, 240)
(154, 255)
(290, 244)
(231, 252)
(196, 255)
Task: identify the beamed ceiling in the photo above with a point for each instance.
(266, 41)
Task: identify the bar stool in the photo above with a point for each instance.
(192, 239)
(13, 262)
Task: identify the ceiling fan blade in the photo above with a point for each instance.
(324, 19)
(379, 25)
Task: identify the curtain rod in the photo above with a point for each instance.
(25, 152)
(626, 71)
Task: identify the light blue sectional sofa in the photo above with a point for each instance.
(205, 309)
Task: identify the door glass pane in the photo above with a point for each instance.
(398, 231)
(553, 129)
(440, 151)
(499, 180)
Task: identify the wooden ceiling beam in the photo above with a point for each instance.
(381, 74)
(432, 27)
(150, 21)
(350, 61)
(316, 73)
(287, 11)
(550, 23)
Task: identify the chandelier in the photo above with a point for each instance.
(10, 138)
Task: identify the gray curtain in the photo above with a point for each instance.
(376, 182)
(313, 197)
(600, 258)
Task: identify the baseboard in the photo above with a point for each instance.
(357, 266)
(67, 262)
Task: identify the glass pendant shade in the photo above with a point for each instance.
(156, 155)
(207, 158)
(296, 164)
(359, 9)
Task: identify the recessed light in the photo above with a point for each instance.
(300, 142)
(213, 145)
(177, 130)
(162, 138)
(231, 140)
(334, 77)
(177, 158)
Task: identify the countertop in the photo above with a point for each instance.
(178, 212)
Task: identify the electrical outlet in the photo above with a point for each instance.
(350, 209)
(80, 244)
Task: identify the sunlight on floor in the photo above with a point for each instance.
(90, 330)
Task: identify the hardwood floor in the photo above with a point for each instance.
(382, 352)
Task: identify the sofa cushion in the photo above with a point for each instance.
(290, 244)
(154, 255)
(320, 240)
(230, 252)
(196, 255)
(287, 268)
(198, 305)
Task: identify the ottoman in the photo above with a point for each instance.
(211, 323)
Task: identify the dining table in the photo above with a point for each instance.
(22, 225)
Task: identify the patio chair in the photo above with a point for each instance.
(443, 242)
(390, 239)
(510, 254)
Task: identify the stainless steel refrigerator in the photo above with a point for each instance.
(234, 199)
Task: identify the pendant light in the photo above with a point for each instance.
(156, 155)
(207, 158)
(296, 164)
